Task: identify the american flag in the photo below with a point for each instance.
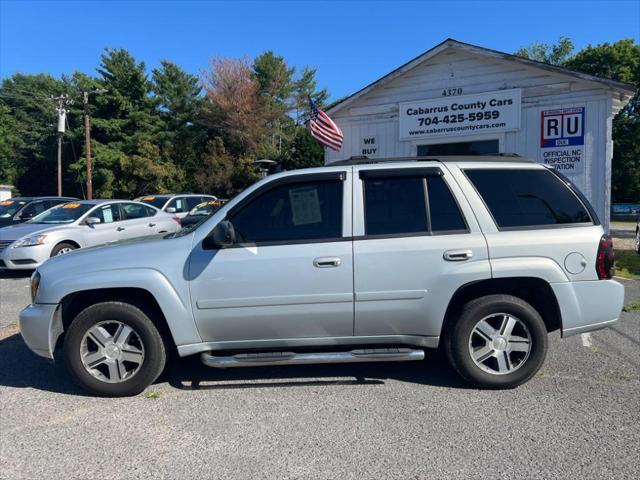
(322, 128)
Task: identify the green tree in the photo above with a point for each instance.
(182, 137)
(29, 146)
(617, 61)
(554, 54)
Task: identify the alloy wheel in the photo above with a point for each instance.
(112, 351)
(500, 344)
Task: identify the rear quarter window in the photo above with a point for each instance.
(521, 198)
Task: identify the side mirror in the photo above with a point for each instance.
(223, 235)
(92, 221)
(171, 210)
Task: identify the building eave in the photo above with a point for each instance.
(625, 90)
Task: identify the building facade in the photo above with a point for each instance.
(460, 99)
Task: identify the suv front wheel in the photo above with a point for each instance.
(498, 341)
(113, 349)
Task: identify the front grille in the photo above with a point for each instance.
(4, 244)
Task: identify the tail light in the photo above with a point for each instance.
(605, 258)
(177, 220)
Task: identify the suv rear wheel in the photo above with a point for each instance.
(498, 341)
(113, 349)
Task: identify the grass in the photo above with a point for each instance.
(632, 307)
(628, 264)
(152, 394)
(623, 225)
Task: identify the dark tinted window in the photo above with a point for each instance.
(479, 147)
(394, 205)
(443, 210)
(33, 209)
(519, 198)
(135, 210)
(296, 211)
(195, 201)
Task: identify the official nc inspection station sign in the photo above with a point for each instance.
(461, 115)
(562, 139)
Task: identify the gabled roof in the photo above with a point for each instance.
(624, 88)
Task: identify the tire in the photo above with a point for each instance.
(131, 361)
(482, 332)
(62, 248)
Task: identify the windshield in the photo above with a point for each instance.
(9, 207)
(66, 213)
(206, 208)
(157, 202)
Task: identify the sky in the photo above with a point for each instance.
(350, 43)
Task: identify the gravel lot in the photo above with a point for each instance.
(579, 418)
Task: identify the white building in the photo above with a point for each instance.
(5, 192)
(462, 99)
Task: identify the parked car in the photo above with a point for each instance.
(76, 225)
(200, 212)
(21, 209)
(482, 256)
(178, 204)
(637, 239)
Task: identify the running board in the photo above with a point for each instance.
(292, 358)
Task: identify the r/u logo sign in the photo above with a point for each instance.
(562, 127)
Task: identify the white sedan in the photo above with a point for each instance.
(79, 224)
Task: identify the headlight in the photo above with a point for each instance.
(30, 241)
(35, 283)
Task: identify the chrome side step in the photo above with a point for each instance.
(292, 358)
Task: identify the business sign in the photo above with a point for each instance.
(369, 146)
(563, 127)
(461, 115)
(562, 139)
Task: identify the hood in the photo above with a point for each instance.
(140, 252)
(14, 232)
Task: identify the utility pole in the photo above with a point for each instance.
(87, 141)
(62, 100)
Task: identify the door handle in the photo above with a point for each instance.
(152, 224)
(327, 262)
(120, 229)
(457, 255)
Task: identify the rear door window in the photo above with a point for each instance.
(419, 204)
(134, 210)
(443, 210)
(521, 198)
(395, 206)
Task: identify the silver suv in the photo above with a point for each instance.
(348, 263)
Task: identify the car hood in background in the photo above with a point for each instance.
(14, 232)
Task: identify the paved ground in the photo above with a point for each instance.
(579, 418)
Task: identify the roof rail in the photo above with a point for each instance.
(364, 160)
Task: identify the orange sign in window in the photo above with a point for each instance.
(6, 202)
(71, 205)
